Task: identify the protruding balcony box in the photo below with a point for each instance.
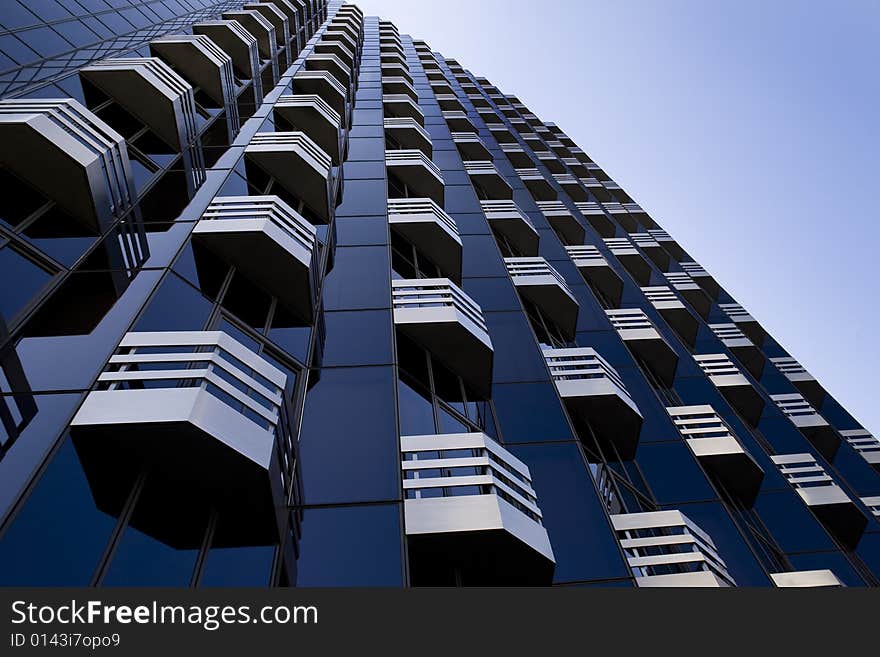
(69, 155)
(826, 499)
(667, 549)
(442, 87)
(637, 213)
(651, 248)
(719, 451)
(471, 147)
(559, 148)
(619, 213)
(702, 278)
(537, 280)
(746, 323)
(595, 269)
(311, 114)
(571, 186)
(594, 394)
(402, 106)
(630, 258)
(430, 229)
(537, 184)
(816, 429)
(594, 213)
(563, 221)
(396, 71)
(812, 579)
(667, 242)
(555, 166)
(236, 42)
(323, 84)
(506, 218)
(646, 343)
(865, 444)
(260, 28)
(459, 121)
(350, 27)
(408, 134)
(485, 176)
(340, 35)
(269, 242)
(291, 9)
(449, 103)
(484, 526)
(436, 313)
(278, 20)
(743, 348)
(202, 412)
(418, 172)
(733, 385)
(199, 61)
(432, 73)
(297, 163)
(332, 64)
(150, 90)
(517, 156)
(501, 133)
(691, 292)
(577, 168)
(674, 312)
(399, 85)
(478, 100)
(805, 382)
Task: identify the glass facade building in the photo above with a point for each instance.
(290, 299)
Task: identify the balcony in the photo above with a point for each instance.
(338, 33)
(562, 221)
(409, 135)
(805, 382)
(571, 186)
(633, 261)
(471, 147)
(557, 168)
(594, 213)
(277, 19)
(815, 428)
(651, 248)
(702, 278)
(262, 30)
(690, 292)
(645, 342)
(441, 88)
(459, 122)
(480, 524)
(596, 396)
(396, 71)
(485, 176)
(393, 86)
(332, 65)
(69, 155)
(501, 133)
(323, 84)
(297, 163)
(517, 156)
(598, 274)
(674, 312)
(719, 451)
(402, 106)
(735, 387)
(507, 219)
(417, 172)
(746, 352)
(865, 444)
(269, 242)
(745, 322)
(150, 90)
(873, 504)
(618, 212)
(538, 282)
(449, 102)
(204, 413)
(200, 62)
(537, 184)
(812, 579)
(316, 118)
(828, 501)
(437, 314)
(577, 168)
(667, 242)
(667, 549)
(430, 229)
(236, 42)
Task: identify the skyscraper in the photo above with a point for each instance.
(290, 299)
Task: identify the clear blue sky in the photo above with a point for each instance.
(748, 129)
